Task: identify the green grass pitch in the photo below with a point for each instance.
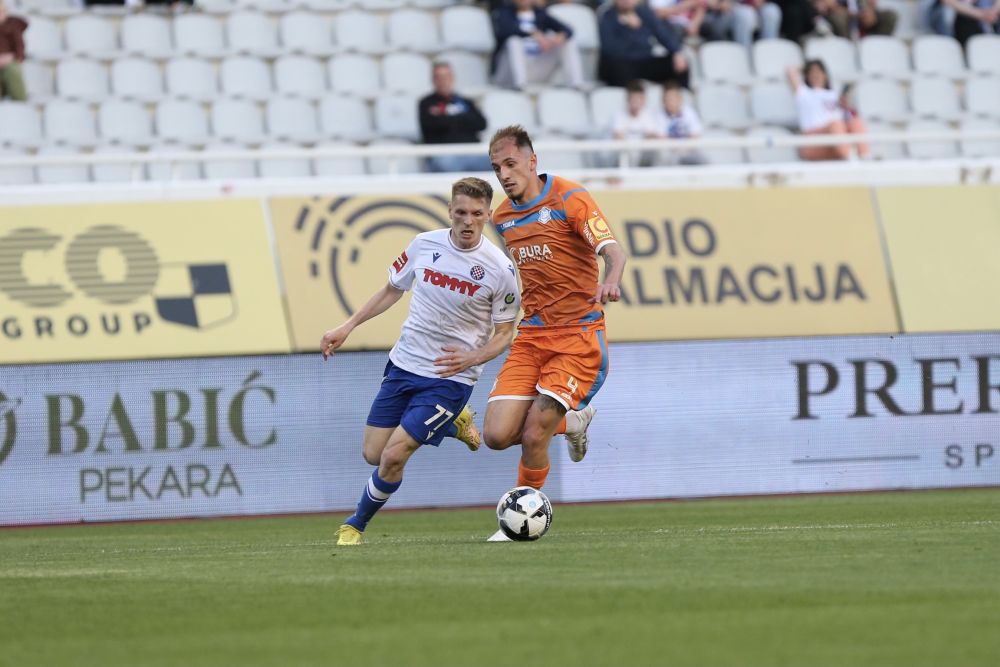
(871, 579)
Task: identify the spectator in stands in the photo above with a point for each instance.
(798, 18)
(822, 111)
(447, 118)
(971, 17)
(940, 16)
(749, 16)
(11, 55)
(627, 29)
(637, 121)
(854, 19)
(684, 17)
(531, 45)
(680, 121)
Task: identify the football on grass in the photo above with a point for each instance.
(524, 513)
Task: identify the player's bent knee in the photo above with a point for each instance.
(499, 438)
(370, 458)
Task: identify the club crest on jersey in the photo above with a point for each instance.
(544, 215)
(400, 262)
(478, 272)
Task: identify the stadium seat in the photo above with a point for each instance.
(885, 58)
(246, 77)
(909, 22)
(227, 169)
(221, 7)
(413, 30)
(334, 166)
(192, 79)
(252, 34)
(360, 32)
(604, 104)
(268, 6)
(930, 150)
(199, 35)
(82, 80)
(771, 154)
(43, 40)
(238, 120)
(838, 54)
(983, 52)
(136, 79)
(117, 172)
(146, 35)
(54, 8)
(305, 33)
(300, 76)
(20, 125)
(721, 155)
(181, 122)
(172, 171)
(15, 175)
(507, 107)
(471, 72)
(723, 106)
(432, 4)
(583, 22)
(882, 101)
(69, 123)
(394, 165)
(344, 117)
(406, 73)
(980, 147)
(383, 5)
(935, 98)
(982, 96)
(564, 111)
(772, 57)
(294, 120)
(467, 28)
(332, 5)
(38, 80)
(354, 74)
(90, 36)
(725, 62)
(557, 160)
(894, 150)
(60, 174)
(396, 116)
(774, 104)
(126, 123)
(937, 55)
(283, 167)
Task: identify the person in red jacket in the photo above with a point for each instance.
(11, 55)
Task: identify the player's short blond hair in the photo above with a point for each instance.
(515, 132)
(473, 187)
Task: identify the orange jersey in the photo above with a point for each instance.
(554, 240)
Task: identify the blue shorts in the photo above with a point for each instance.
(424, 407)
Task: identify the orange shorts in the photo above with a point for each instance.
(570, 367)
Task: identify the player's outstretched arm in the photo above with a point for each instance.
(379, 302)
(455, 360)
(614, 268)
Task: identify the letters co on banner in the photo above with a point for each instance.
(125, 281)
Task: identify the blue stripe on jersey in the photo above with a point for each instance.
(527, 220)
(537, 200)
(533, 321)
(570, 193)
(592, 316)
(601, 374)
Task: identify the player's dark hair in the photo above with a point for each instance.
(515, 132)
(473, 187)
(634, 86)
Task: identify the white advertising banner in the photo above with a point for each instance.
(276, 434)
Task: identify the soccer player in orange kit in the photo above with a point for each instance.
(554, 231)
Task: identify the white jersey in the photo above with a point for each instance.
(817, 107)
(457, 297)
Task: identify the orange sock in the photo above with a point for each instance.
(532, 477)
(562, 425)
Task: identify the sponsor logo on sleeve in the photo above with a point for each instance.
(400, 262)
(598, 228)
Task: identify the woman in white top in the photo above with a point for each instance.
(822, 111)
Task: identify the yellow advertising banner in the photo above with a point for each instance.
(137, 280)
(944, 246)
(705, 264)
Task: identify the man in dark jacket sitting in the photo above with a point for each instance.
(627, 29)
(531, 46)
(447, 118)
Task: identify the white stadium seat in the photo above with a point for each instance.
(181, 122)
(507, 107)
(982, 97)
(300, 76)
(20, 125)
(885, 58)
(146, 35)
(394, 165)
(15, 175)
(38, 80)
(471, 70)
(396, 116)
(772, 57)
(935, 98)
(581, 20)
(199, 35)
(413, 30)
(838, 55)
(61, 174)
(983, 52)
(305, 33)
(82, 80)
(769, 154)
(252, 34)
(331, 166)
(70, 123)
(332, 5)
(564, 111)
(220, 7)
(345, 117)
(909, 22)
(354, 74)
(126, 123)
(725, 62)
(930, 150)
(227, 169)
(283, 167)
(937, 55)
(245, 77)
(172, 171)
(43, 40)
(467, 28)
(136, 79)
(723, 106)
(980, 147)
(882, 101)
(894, 150)
(290, 119)
(774, 104)
(91, 37)
(604, 104)
(192, 79)
(732, 155)
(360, 31)
(238, 120)
(406, 73)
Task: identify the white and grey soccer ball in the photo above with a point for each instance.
(524, 513)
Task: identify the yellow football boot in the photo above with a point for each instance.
(465, 422)
(348, 536)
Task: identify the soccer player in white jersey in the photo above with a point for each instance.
(462, 312)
